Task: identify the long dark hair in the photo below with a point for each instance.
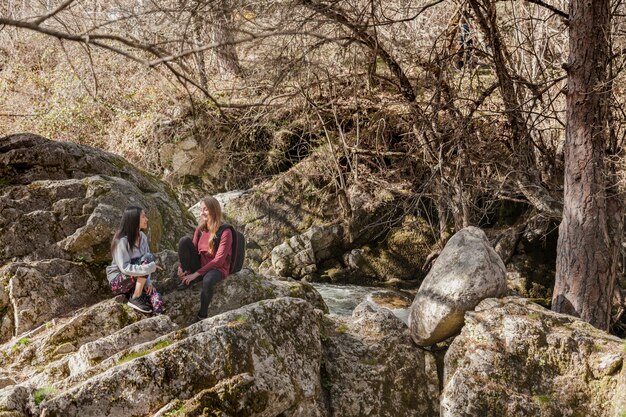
(129, 227)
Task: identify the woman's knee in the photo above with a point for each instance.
(147, 258)
(184, 241)
(212, 277)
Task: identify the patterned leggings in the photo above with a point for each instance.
(124, 284)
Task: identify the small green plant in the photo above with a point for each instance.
(295, 291)
(43, 393)
(176, 411)
(24, 341)
(134, 355)
(342, 328)
(542, 400)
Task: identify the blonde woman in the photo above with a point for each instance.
(206, 256)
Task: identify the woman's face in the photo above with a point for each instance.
(204, 212)
(143, 221)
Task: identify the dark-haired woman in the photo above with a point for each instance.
(203, 257)
(129, 273)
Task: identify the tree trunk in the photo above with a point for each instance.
(198, 39)
(586, 252)
(225, 52)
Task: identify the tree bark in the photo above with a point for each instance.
(198, 37)
(586, 251)
(225, 53)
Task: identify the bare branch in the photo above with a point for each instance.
(553, 9)
(59, 9)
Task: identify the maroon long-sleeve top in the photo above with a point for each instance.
(220, 258)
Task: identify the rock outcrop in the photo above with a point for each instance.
(467, 271)
(300, 255)
(372, 368)
(37, 292)
(398, 259)
(61, 204)
(243, 362)
(516, 358)
(62, 200)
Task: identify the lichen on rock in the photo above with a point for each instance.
(514, 357)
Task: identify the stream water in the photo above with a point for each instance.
(342, 299)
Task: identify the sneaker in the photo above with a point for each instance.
(197, 319)
(139, 305)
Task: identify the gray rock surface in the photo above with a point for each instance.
(77, 343)
(516, 358)
(467, 271)
(36, 292)
(245, 351)
(39, 358)
(299, 256)
(62, 200)
(372, 368)
(92, 353)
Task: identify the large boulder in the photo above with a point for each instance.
(36, 292)
(92, 353)
(77, 341)
(61, 204)
(261, 360)
(41, 354)
(281, 207)
(299, 256)
(466, 272)
(516, 358)
(372, 368)
(62, 200)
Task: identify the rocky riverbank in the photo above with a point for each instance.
(269, 347)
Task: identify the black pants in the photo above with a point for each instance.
(190, 263)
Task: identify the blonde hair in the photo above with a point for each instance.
(214, 220)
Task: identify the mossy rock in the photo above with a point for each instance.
(402, 254)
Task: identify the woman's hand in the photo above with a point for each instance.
(187, 279)
(149, 289)
(180, 272)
